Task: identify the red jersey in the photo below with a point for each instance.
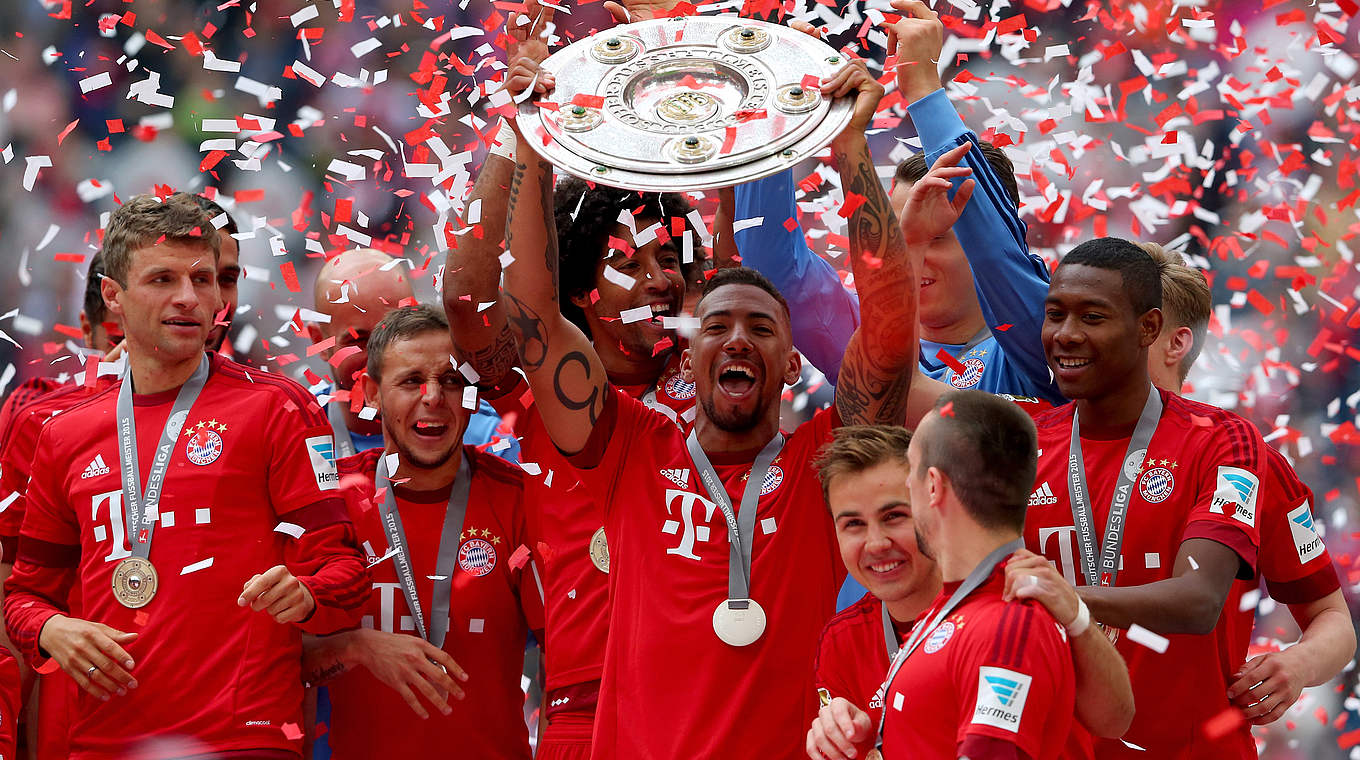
(494, 603)
(1293, 559)
(991, 670)
(251, 469)
(22, 395)
(563, 518)
(671, 687)
(1200, 478)
(9, 704)
(853, 657)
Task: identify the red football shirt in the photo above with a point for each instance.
(24, 394)
(1293, 559)
(494, 604)
(252, 465)
(852, 656)
(671, 687)
(992, 669)
(563, 517)
(9, 704)
(1200, 478)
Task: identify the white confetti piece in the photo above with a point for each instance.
(9, 499)
(195, 567)
(629, 316)
(308, 74)
(470, 397)
(33, 164)
(619, 278)
(95, 82)
(350, 172)
(743, 224)
(1140, 635)
(392, 463)
(290, 529)
(303, 15)
(364, 47)
(213, 63)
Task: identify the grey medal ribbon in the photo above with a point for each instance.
(889, 633)
(1102, 572)
(741, 527)
(446, 560)
(142, 509)
(971, 583)
(344, 445)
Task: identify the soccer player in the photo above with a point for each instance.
(1293, 559)
(1157, 511)
(444, 522)
(355, 290)
(193, 647)
(979, 677)
(718, 657)
(228, 269)
(601, 281)
(864, 477)
(978, 332)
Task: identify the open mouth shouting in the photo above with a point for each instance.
(429, 430)
(737, 379)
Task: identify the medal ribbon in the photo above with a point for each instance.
(344, 445)
(141, 509)
(975, 579)
(1104, 573)
(449, 540)
(889, 633)
(741, 528)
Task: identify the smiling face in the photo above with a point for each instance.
(167, 308)
(420, 396)
(876, 533)
(948, 296)
(742, 357)
(650, 278)
(1093, 339)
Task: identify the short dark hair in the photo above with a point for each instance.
(585, 215)
(145, 220)
(741, 276)
(1142, 278)
(914, 168)
(400, 324)
(988, 448)
(857, 448)
(213, 210)
(95, 308)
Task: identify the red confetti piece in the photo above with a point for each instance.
(729, 140)
(74, 258)
(947, 410)
(67, 131)
(852, 202)
(248, 196)
(520, 557)
(291, 732)
(950, 361)
(1222, 724)
(290, 278)
(589, 101)
(343, 354)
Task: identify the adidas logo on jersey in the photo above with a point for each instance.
(1042, 495)
(680, 477)
(95, 468)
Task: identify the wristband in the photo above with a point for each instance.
(504, 146)
(1081, 622)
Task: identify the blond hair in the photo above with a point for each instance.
(857, 448)
(1186, 300)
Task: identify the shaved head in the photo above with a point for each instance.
(364, 279)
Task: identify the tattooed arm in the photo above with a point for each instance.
(879, 365)
(565, 373)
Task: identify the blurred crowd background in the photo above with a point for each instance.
(1226, 130)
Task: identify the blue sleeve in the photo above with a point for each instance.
(481, 430)
(824, 313)
(1013, 282)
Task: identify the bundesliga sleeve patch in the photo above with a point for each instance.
(1306, 539)
(1001, 696)
(321, 453)
(1236, 487)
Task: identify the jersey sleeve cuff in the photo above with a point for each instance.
(1309, 588)
(937, 122)
(590, 457)
(318, 514)
(1230, 536)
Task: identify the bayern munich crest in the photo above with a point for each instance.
(971, 375)
(1156, 485)
(477, 557)
(204, 447)
(773, 479)
(678, 389)
(939, 637)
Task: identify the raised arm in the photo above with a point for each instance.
(565, 373)
(1011, 283)
(878, 368)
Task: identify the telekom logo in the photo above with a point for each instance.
(682, 503)
(106, 515)
(1066, 549)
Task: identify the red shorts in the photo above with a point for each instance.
(566, 737)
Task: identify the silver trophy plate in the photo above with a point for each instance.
(686, 103)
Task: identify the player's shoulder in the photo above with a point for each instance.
(1204, 427)
(359, 463)
(489, 466)
(867, 607)
(273, 386)
(1048, 418)
(1006, 631)
(78, 410)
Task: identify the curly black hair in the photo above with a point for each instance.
(585, 214)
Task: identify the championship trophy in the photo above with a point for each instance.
(686, 103)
